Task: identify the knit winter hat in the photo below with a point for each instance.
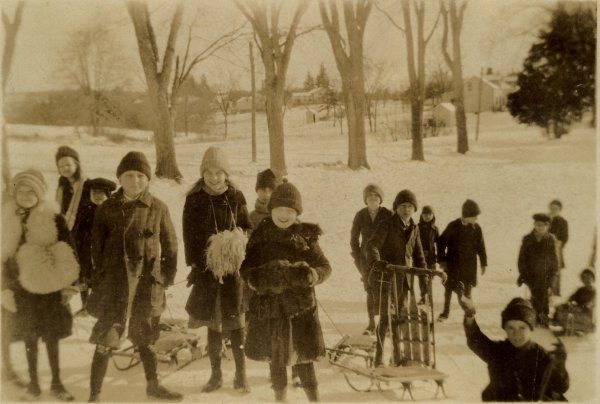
(404, 196)
(265, 179)
(519, 309)
(541, 217)
(102, 184)
(135, 161)
(215, 157)
(373, 189)
(34, 179)
(470, 209)
(286, 195)
(556, 202)
(66, 151)
(587, 271)
(427, 209)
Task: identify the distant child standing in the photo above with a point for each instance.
(215, 215)
(265, 184)
(560, 228)
(458, 248)
(364, 224)
(70, 193)
(134, 252)
(429, 234)
(99, 191)
(538, 264)
(39, 269)
(519, 369)
(283, 264)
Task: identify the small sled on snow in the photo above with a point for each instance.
(354, 355)
(176, 345)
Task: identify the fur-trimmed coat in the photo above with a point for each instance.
(134, 253)
(283, 325)
(203, 216)
(38, 261)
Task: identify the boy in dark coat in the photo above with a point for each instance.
(39, 267)
(578, 311)
(265, 184)
(213, 206)
(100, 190)
(458, 248)
(519, 369)
(396, 241)
(134, 253)
(283, 264)
(560, 228)
(364, 224)
(538, 263)
(429, 235)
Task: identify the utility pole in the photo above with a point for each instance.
(479, 104)
(253, 84)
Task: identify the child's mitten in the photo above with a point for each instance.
(297, 274)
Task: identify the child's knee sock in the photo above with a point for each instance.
(53, 360)
(31, 349)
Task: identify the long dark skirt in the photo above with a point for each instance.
(42, 316)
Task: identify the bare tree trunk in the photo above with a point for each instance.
(253, 85)
(225, 114)
(276, 133)
(158, 84)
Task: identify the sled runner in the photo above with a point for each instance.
(354, 356)
(176, 346)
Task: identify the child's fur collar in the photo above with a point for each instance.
(299, 234)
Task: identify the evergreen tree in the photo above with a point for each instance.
(309, 82)
(322, 79)
(557, 84)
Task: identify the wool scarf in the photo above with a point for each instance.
(71, 213)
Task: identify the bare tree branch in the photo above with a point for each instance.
(389, 17)
(445, 53)
(437, 19)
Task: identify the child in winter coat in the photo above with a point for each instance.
(458, 248)
(395, 241)
(538, 263)
(100, 190)
(215, 216)
(39, 268)
(364, 224)
(134, 253)
(283, 264)
(560, 228)
(71, 193)
(429, 235)
(578, 312)
(265, 184)
(519, 369)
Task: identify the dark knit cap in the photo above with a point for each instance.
(519, 309)
(541, 217)
(102, 184)
(587, 271)
(286, 195)
(404, 196)
(470, 209)
(427, 209)
(66, 151)
(372, 189)
(265, 179)
(557, 203)
(136, 161)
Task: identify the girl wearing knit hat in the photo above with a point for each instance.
(265, 184)
(396, 241)
(364, 224)
(283, 264)
(38, 270)
(70, 193)
(519, 369)
(134, 252)
(215, 218)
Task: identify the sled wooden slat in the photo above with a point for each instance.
(402, 374)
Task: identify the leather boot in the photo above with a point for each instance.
(155, 390)
(99, 367)
(215, 345)
(281, 395)
(240, 382)
(312, 394)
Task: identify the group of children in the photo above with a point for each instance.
(252, 274)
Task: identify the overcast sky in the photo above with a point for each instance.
(496, 33)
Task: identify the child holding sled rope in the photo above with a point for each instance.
(283, 264)
(215, 219)
(39, 268)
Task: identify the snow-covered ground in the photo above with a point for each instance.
(512, 172)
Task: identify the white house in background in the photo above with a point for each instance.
(494, 92)
(314, 96)
(244, 104)
(444, 114)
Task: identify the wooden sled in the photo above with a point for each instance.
(354, 356)
(176, 346)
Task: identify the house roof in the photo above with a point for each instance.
(447, 106)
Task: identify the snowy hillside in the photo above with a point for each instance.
(512, 172)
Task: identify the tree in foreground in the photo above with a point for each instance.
(557, 84)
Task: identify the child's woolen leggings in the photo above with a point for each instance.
(306, 372)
